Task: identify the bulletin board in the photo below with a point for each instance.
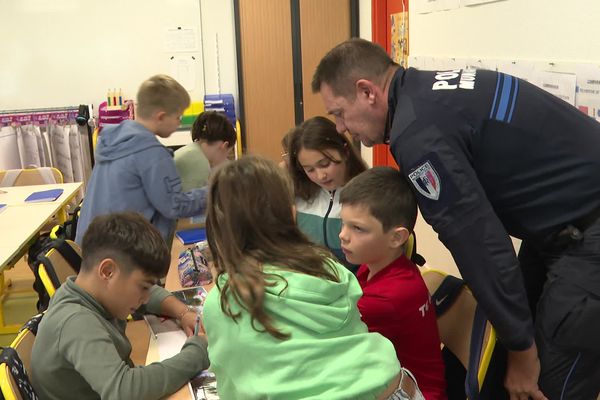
(68, 52)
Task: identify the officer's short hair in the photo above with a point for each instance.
(348, 62)
(387, 195)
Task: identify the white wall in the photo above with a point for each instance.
(510, 29)
(218, 38)
(67, 52)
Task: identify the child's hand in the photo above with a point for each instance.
(191, 323)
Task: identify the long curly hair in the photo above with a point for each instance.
(251, 223)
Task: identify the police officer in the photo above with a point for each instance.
(490, 155)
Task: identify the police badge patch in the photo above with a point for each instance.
(426, 180)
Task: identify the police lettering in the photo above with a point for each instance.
(466, 80)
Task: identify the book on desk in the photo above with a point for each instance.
(190, 236)
(44, 195)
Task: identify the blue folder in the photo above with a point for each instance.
(44, 195)
(190, 236)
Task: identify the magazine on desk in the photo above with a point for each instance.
(194, 297)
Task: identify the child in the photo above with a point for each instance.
(395, 300)
(134, 171)
(81, 351)
(321, 162)
(214, 136)
(282, 320)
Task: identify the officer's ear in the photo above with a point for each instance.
(366, 90)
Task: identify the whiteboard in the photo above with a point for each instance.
(68, 52)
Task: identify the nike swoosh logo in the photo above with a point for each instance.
(440, 301)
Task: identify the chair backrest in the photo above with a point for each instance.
(463, 327)
(14, 381)
(59, 262)
(23, 343)
(30, 176)
(411, 250)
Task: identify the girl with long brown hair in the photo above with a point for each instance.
(321, 162)
(282, 320)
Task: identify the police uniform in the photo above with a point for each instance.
(490, 155)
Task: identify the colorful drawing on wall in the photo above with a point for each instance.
(399, 38)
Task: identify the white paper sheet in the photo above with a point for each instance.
(562, 85)
(28, 147)
(61, 151)
(587, 99)
(183, 70)
(170, 343)
(180, 39)
(9, 150)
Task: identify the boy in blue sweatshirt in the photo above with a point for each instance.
(134, 171)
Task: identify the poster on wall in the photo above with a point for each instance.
(399, 38)
(587, 98)
(562, 85)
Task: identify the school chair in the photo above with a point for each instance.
(468, 335)
(23, 343)
(61, 260)
(14, 381)
(30, 176)
(411, 250)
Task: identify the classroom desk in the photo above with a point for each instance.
(20, 224)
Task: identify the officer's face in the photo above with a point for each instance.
(364, 116)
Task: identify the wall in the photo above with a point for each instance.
(532, 29)
(67, 52)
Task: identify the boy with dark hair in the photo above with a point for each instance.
(395, 302)
(81, 351)
(213, 137)
(134, 171)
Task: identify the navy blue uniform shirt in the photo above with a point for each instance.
(490, 155)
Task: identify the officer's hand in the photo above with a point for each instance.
(522, 373)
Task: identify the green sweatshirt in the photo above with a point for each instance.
(330, 354)
(81, 352)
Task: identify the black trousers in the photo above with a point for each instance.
(563, 287)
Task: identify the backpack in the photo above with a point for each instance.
(37, 255)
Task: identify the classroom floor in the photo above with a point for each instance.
(20, 299)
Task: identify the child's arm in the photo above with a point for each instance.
(162, 185)
(162, 302)
(87, 345)
(176, 309)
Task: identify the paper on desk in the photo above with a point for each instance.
(170, 343)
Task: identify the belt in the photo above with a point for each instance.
(573, 232)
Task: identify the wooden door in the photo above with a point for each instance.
(266, 73)
(323, 25)
(266, 51)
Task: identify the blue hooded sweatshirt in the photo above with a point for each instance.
(135, 172)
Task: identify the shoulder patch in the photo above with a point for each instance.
(434, 185)
(426, 180)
